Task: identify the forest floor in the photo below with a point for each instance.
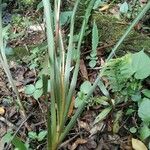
(85, 135)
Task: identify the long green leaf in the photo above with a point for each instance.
(95, 40)
(76, 70)
(70, 47)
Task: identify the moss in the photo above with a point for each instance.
(111, 29)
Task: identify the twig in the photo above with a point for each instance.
(8, 123)
(66, 142)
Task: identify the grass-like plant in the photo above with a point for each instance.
(62, 89)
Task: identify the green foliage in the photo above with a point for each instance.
(127, 71)
(35, 90)
(65, 17)
(34, 136)
(98, 3)
(124, 8)
(144, 111)
(146, 93)
(144, 131)
(140, 65)
(133, 130)
(102, 115)
(117, 119)
(16, 141)
(29, 89)
(61, 88)
(61, 70)
(95, 40)
(84, 89)
(118, 71)
(125, 75)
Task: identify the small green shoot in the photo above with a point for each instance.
(39, 137)
(36, 90)
(95, 40)
(84, 89)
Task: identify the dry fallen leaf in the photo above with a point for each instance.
(105, 7)
(71, 107)
(97, 127)
(83, 70)
(78, 142)
(138, 145)
(84, 125)
(2, 111)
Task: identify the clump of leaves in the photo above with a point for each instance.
(125, 76)
(36, 90)
(39, 137)
(130, 68)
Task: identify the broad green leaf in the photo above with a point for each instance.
(124, 8)
(78, 102)
(144, 132)
(29, 89)
(85, 87)
(9, 51)
(102, 115)
(140, 65)
(136, 97)
(65, 16)
(97, 4)
(32, 135)
(146, 92)
(42, 135)
(40, 5)
(130, 111)
(7, 137)
(37, 93)
(144, 110)
(19, 144)
(103, 88)
(92, 63)
(133, 130)
(80, 99)
(39, 84)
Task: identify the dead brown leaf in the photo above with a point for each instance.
(84, 125)
(104, 8)
(83, 70)
(138, 145)
(2, 111)
(71, 107)
(78, 142)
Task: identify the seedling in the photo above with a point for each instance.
(95, 39)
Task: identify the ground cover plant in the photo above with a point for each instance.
(120, 81)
